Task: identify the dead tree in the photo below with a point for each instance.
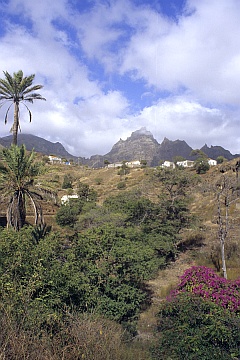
(226, 193)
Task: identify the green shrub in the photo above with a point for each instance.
(67, 181)
(121, 185)
(192, 328)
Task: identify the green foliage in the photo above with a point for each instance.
(132, 204)
(193, 328)
(116, 266)
(98, 216)
(86, 193)
(175, 182)
(174, 199)
(38, 279)
(67, 181)
(102, 271)
(143, 163)
(121, 185)
(106, 162)
(220, 159)
(45, 159)
(124, 169)
(68, 213)
(199, 153)
(201, 165)
(18, 171)
(178, 158)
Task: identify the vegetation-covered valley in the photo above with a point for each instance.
(102, 276)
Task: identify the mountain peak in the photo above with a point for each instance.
(142, 131)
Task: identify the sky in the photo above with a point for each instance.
(111, 67)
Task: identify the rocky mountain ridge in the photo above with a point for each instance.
(141, 145)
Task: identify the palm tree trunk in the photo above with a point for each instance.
(15, 123)
(16, 213)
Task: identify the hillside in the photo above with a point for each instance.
(105, 182)
(105, 254)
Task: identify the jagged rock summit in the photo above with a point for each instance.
(141, 145)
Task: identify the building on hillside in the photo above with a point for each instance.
(186, 163)
(168, 164)
(212, 162)
(54, 159)
(114, 165)
(132, 164)
(65, 198)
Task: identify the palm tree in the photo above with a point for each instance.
(17, 172)
(18, 89)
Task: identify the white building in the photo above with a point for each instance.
(114, 165)
(65, 198)
(212, 162)
(135, 163)
(54, 159)
(168, 164)
(185, 163)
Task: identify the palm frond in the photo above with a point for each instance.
(34, 96)
(5, 88)
(17, 77)
(31, 89)
(37, 209)
(25, 83)
(29, 112)
(9, 79)
(6, 115)
(4, 102)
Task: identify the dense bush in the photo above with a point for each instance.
(200, 319)
(193, 328)
(67, 181)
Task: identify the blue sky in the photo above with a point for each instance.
(110, 67)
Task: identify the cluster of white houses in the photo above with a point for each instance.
(169, 164)
(130, 164)
(136, 163)
(186, 163)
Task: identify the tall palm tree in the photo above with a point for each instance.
(18, 89)
(17, 172)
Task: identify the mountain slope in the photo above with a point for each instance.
(38, 144)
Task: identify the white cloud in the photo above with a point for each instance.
(183, 119)
(200, 52)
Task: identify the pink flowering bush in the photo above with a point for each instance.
(200, 319)
(205, 283)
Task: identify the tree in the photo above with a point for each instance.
(178, 158)
(220, 159)
(201, 164)
(67, 182)
(226, 193)
(18, 171)
(18, 89)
